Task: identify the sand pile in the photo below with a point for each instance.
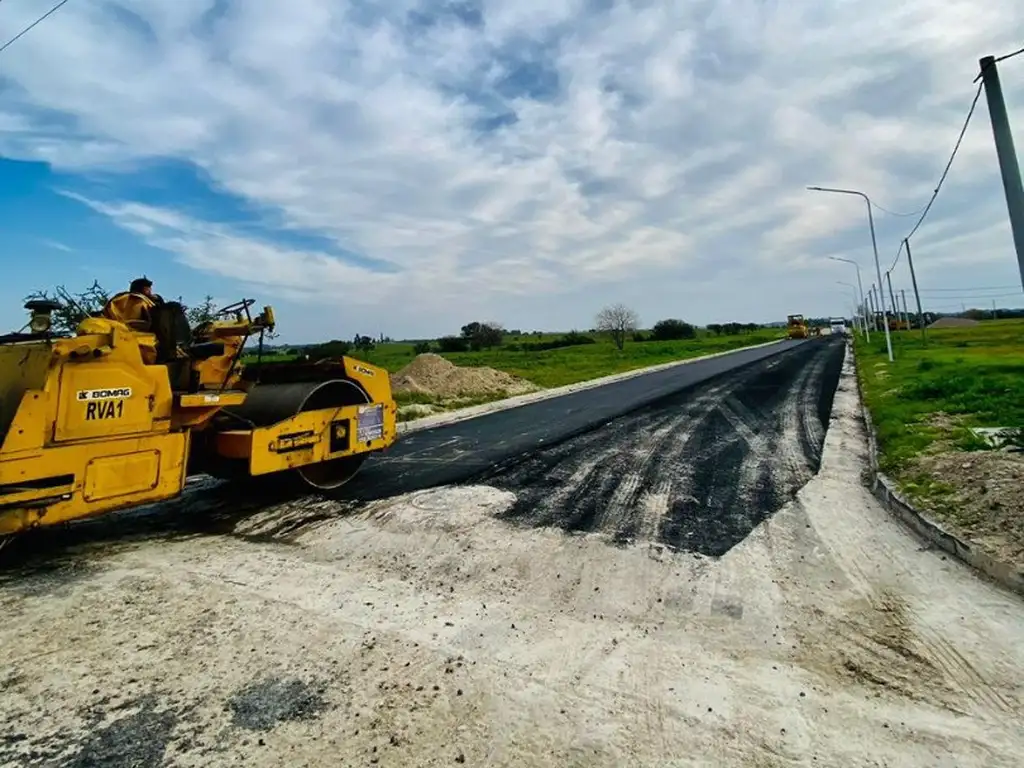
(953, 322)
(431, 374)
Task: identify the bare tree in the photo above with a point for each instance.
(202, 312)
(617, 321)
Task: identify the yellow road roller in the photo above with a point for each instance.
(796, 327)
(135, 401)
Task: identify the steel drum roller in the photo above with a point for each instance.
(268, 404)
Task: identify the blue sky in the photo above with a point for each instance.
(408, 170)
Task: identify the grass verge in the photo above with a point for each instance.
(923, 407)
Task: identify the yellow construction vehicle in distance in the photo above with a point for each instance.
(120, 413)
(796, 327)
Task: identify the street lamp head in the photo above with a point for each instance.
(816, 189)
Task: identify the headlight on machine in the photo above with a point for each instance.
(40, 323)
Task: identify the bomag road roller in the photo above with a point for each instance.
(121, 412)
(796, 327)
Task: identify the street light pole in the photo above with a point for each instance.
(874, 246)
(860, 288)
(853, 290)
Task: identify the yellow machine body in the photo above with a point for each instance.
(109, 419)
(796, 327)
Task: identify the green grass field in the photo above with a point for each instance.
(569, 365)
(975, 375)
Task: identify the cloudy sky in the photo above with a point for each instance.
(408, 166)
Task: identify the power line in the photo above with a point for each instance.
(985, 297)
(1004, 57)
(1010, 55)
(984, 288)
(896, 260)
(893, 213)
(42, 18)
(949, 164)
(945, 172)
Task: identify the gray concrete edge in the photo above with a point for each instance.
(884, 489)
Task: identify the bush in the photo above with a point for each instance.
(672, 330)
(329, 350)
(452, 344)
(572, 339)
(483, 335)
(421, 347)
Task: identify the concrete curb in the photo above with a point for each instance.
(453, 417)
(884, 489)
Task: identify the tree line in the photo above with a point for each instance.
(617, 321)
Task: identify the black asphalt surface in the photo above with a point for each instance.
(696, 471)
(460, 451)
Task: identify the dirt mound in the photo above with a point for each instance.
(431, 374)
(953, 322)
(984, 503)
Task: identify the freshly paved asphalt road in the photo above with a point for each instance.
(697, 471)
(458, 452)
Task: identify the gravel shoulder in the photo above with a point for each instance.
(426, 630)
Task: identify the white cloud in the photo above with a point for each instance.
(667, 162)
(58, 246)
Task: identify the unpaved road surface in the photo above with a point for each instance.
(679, 620)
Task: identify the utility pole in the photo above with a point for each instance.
(874, 312)
(917, 295)
(993, 309)
(1012, 185)
(892, 299)
(906, 315)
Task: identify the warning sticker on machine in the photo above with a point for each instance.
(370, 424)
(91, 395)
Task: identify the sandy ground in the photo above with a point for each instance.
(423, 630)
(985, 502)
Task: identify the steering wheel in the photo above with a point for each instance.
(231, 309)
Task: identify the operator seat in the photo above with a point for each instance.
(169, 323)
(132, 309)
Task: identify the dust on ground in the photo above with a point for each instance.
(976, 495)
(424, 630)
(982, 499)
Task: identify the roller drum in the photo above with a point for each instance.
(267, 404)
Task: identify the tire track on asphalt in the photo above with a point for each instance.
(696, 472)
